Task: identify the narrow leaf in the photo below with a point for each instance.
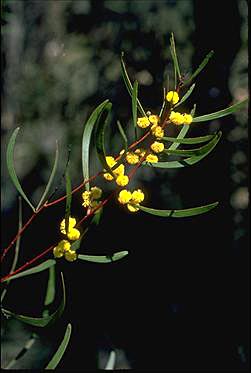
(181, 135)
(111, 361)
(41, 267)
(50, 292)
(192, 112)
(200, 68)
(40, 321)
(128, 84)
(189, 140)
(134, 106)
(51, 178)
(179, 213)
(88, 128)
(186, 95)
(61, 349)
(97, 216)
(100, 137)
(103, 258)
(68, 198)
(205, 150)
(174, 55)
(163, 103)
(11, 169)
(123, 135)
(221, 113)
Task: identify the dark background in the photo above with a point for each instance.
(180, 299)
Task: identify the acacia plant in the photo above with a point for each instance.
(151, 147)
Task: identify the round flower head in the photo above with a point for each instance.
(172, 97)
(96, 192)
(119, 170)
(108, 176)
(122, 180)
(132, 158)
(70, 255)
(143, 122)
(152, 158)
(124, 196)
(61, 248)
(157, 147)
(154, 119)
(176, 118)
(73, 234)
(72, 223)
(137, 196)
(187, 118)
(87, 198)
(157, 131)
(110, 161)
(140, 152)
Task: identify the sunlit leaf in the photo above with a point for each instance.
(128, 84)
(88, 128)
(111, 361)
(134, 106)
(186, 95)
(221, 113)
(204, 151)
(41, 267)
(11, 169)
(51, 178)
(103, 258)
(61, 349)
(179, 213)
(189, 140)
(200, 68)
(40, 321)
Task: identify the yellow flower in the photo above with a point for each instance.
(87, 198)
(172, 97)
(187, 118)
(119, 170)
(124, 196)
(132, 158)
(132, 208)
(60, 249)
(73, 234)
(152, 158)
(154, 119)
(96, 192)
(157, 131)
(143, 122)
(137, 196)
(108, 176)
(176, 118)
(72, 223)
(140, 152)
(70, 255)
(110, 161)
(157, 147)
(122, 180)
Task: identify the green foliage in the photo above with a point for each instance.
(200, 68)
(134, 106)
(61, 349)
(103, 258)
(179, 213)
(221, 113)
(186, 95)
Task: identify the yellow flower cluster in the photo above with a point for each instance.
(132, 158)
(145, 122)
(152, 158)
(64, 249)
(73, 233)
(90, 197)
(131, 199)
(121, 178)
(157, 131)
(157, 147)
(172, 97)
(178, 118)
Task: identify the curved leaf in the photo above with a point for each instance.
(189, 140)
(123, 135)
(41, 267)
(205, 150)
(11, 169)
(181, 135)
(179, 213)
(103, 258)
(200, 68)
(50, 292)
(128, 84)
(51, 178)
(61, 349)
(87, 138)
(221, 113)
(134, 106)
(68, 198)
(174, 57)
(186, 95)
(40, 321)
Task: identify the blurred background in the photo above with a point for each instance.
(180, 299)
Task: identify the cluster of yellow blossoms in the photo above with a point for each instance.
(64, 246)
(119, 172)
(131, 199)
(90, 198)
